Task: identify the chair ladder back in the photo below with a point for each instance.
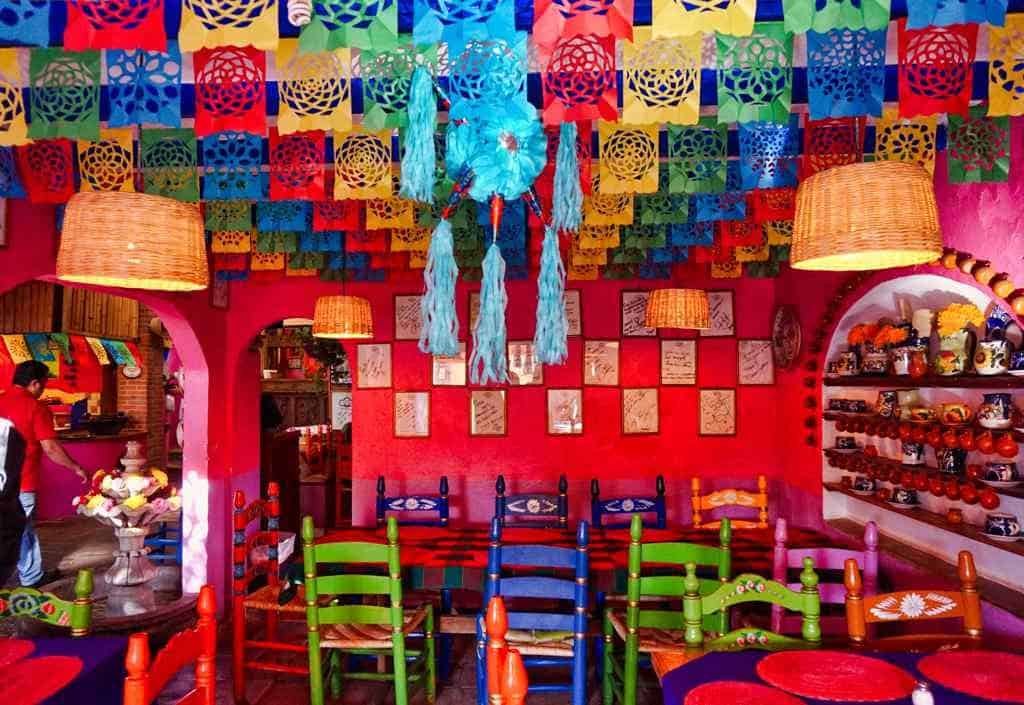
(50, 609)
(527, 508)
(401, 504)
(198, 645)
(730, 497)
(259, 510)
(619, 506)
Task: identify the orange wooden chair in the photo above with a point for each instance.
(914, 606)
(197, 645)
(507, 680)
(730, 497)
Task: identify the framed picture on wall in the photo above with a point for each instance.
(341, 409)
(565, 412)
(640, 411)
(487, 413)
(474, 310)
(373, 365)
(601, 363)
(573, 312)
(450, 371)
(220, 293)
(678, 362)
(756, 362)
(407, 317)
(717, 412)
(523, 367)
(412, 414)
(721, 315)
(634, 313)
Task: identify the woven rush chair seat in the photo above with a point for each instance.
(651, 640)
(533, 642)
(265, 598)
(369, 636)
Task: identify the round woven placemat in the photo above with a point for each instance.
(835, 675)
(991, 675)
(720, 692)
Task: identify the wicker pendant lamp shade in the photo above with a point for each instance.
(133, 241)
(866, 216)
(677, 308)
(342, 317)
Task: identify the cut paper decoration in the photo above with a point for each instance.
(755, 75)
(13, 128)
(216, 23)
(313, 89)
(267, 261)
(1005, 71)
(65, 94)
(937, 13)
(978, 148)
(283, 216)
(387, 75)
(228, 215)
(10, 184)
(564, 18)
(287, 243)
(741, 233)
(231, 242)
(772, 204)
(629, 158)
(579, 79)
(47, 170)
(566, 192)
(321, 242)
(595, 237)
(673, 18)
(25, 22)
(107, 163)
(825, 15)
(410, 239)
(459, 20)
(845, 73)
(697, 156)
(362, 164)
(364, 24)
(778, 232)
(730, 269)
(581, 272)
(296, 166)
(232, 161)
(384, 213)
(644, 237)
(607, 208)
(492, 68)
(661, 79)
(230, 87)
(17, 348)
(900, 140)
(691, 234)
(115, 24)
(375, 241)
(832, 142)
(769, 154)
(936, 68)
(144, 87)
(336, 215)
(168, 162)
(304, 264)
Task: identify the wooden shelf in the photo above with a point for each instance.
(874, 418)
(938, 521)
(968, 381)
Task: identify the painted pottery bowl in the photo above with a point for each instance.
(1002, 524)
(1001, 472)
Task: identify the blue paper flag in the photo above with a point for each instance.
(25, 22)
(941, 13)
(769, 153)
(284, 216)
(10, 184)
(845, 73)
(233, 162)
(144, 86)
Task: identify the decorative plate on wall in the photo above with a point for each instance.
(786, 336)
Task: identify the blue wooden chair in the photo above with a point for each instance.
(542, 510)
(547, 614)
(626, 507)
(165, 541)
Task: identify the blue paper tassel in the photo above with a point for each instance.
(549, 339)
(419, 159)
(489, 361)
(567, 207)
(440, 332)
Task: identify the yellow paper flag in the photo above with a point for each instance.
(906, 140)
(218, 23)
(661, 79)
(313, 88)
(671, 18)
(362, 164)
(13, 129)
(107, 164)
(629, 158)
(1005, 74)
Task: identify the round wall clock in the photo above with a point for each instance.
(131, 372)
(786, 336)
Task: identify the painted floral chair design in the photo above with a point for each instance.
(47, 607)
(619, 507)
(542, 510)
(730, 497)
(914, 606)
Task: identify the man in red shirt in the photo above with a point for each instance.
(34, 422)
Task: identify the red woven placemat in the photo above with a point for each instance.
(12, 650)
(835, 675)
(991, 675)
(34, 680)
(721, 692)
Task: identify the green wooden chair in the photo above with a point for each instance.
(658, 627)
(338, 627)
(752, 588)
(47, 607)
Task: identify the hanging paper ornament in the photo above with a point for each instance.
(607, 208)
(365, 24)
(228, 215)
(231, 242)
(458, 20)
(730, 269)
(232, 161)
(216, 23)
(362, 164)
(697, 157)
(579, 79)
(582, 272)
(115, 24)
(670, 18)
(772, 204)
(144, 86)
(978, 148)
(296, 166)
(287, 243)
(410, 240)
(845, 73)
(230, 90)
(419, 159)
(65, 94)
(593, 237)
(579, 256)
(629, 158)
(375, 241)
(925, 13)
(300, 12)
(564, 18)
(313, 89)
(644, 237)
(336, 215)
(1005, 71)
(769, 154)
(662, 208)
(387, 78)
(439, 331)
(25, 22)
(826, 15)
(567, 199)
(778, 232)
(661, 79)
(489, 360)
(382, 213)
(691, 234)
(46, 167)
(832, 142)
(267, 261)
(508, 151)
(755, 75)
(106, 164)
(305, 264)
(741, 233)
(936, 68)
(488, 68)
(321, 242)
(901, 140)
(13, 128)
(10, 184)
(283, 216)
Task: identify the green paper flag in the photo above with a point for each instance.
(978, 148)
(65, 95)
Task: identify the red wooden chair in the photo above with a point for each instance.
(263, 599)
(197, 645)
(506, 675)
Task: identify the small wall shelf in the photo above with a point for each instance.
(967, 381)
(875, 419)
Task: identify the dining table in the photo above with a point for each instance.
(62, 670)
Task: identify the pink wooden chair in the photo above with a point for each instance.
(831, 591)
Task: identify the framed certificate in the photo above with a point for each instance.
(640, 411)
(450, 371)
(756, 362)
(523, 367)
(717, 412)
(565, 412)
(412, 414)
(408, 317)
(487, 412)
(678, 362)
(373, 365)
(721, 315)
(601, 363)
(573, 312)
(634, 315)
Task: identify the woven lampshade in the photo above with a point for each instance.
(134, 241)
(866, 216)
(338, 317)
(677, 308)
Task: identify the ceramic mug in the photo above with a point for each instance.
(992, 357)
(901, 495)
(846, 443)
(1002, 524)
(955, 413)
(887, 405)
(862, 483)
(901, 361)
(952, 461)
(846, 364)
(875, 363)
(1017, 362)
(996, 411)
(913, 453)
(1001, 472)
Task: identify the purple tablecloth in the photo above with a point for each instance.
(741, 667)
(101, 681)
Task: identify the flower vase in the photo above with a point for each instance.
(131, 562)
(954, 354)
